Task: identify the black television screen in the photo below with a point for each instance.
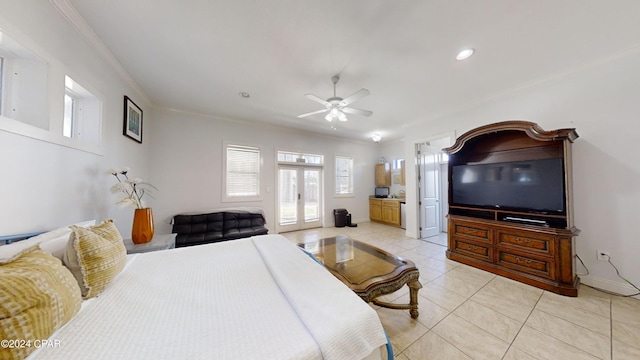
(530, 186)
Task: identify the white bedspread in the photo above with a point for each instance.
(256, 298)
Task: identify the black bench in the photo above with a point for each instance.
(204, 228)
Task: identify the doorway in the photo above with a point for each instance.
(432, 186)
(299, 197)
(428, 190)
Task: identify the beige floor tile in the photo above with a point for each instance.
(545, 347)
(556, 305)
(623, 351)
(427, 274)
(470, 339)
(502, 304)
(441, 296)
(595, 304)
(438, 264)
(432, 346)
(429, 313)
(514, 290)
(590, 341)
(401, 328)
(626, 310)
(516, 354)
(626, 333)
(430, 250)
(463, 282)
(409, 243)
(401, 357)
(489, 320)
(584, 290)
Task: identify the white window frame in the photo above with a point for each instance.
(36, 86)
(225, 191)
(350, 190)
(85, 118)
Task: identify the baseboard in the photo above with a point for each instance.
(613, 286)
(360, 220)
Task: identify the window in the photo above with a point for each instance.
(82, 113)
(398, 163)
(242, 171)
(24, 84)
(291, 157)
(344, 175)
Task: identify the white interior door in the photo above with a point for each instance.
(429, 192)
(299, 197)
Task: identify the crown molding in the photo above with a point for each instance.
(73, 17)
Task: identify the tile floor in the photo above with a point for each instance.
(466, 313)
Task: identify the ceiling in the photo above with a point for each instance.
(198, 55)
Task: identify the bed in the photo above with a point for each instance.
(254, 298)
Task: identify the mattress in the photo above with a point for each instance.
(254, 298)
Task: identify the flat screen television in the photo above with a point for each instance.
(533, 186)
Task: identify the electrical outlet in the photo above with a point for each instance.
(602, 255)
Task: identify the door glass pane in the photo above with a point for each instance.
(311, 195)
(288, 183)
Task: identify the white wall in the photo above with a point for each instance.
(187, 165)
(45, 185)
(602, 102)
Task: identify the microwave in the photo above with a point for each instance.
(382, 191)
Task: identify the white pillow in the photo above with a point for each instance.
(54, 241)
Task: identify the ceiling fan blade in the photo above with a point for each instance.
(317, 99)
(355, 96)
(357, 111)
(313, 113)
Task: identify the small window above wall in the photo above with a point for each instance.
(293, 157)
(23, 84)
(82, 113)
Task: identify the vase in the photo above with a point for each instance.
(142, 230)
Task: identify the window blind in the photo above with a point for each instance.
(344, 176)
(243, 171)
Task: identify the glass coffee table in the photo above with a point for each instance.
(368, 271)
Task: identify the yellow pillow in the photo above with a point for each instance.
(95, 255)
(37, 296)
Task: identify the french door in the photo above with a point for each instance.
(299, 197)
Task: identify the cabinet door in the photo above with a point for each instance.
(383, 175)
(386, 214)
(375, 210)
(391, 212)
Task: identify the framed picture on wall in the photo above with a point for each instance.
(396, 179)
(132, 120)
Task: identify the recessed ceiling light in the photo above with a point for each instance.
(244, 94)
(465, 54)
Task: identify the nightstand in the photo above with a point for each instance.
(159, 242)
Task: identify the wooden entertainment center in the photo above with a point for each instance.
(536, 248)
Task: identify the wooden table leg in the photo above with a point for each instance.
(414, 286)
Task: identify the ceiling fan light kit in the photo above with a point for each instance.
(336, 107)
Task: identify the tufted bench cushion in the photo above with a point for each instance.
(196, 229)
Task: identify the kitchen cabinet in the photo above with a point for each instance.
(383, 175)
(386, 211)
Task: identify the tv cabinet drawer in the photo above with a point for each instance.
(475, 250)
(471, 230)
(527, 241)
(527, 264)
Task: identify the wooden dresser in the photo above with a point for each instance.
(536, 248)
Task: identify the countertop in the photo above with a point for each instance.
(401, 200)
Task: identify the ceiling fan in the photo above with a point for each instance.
(336, 107)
